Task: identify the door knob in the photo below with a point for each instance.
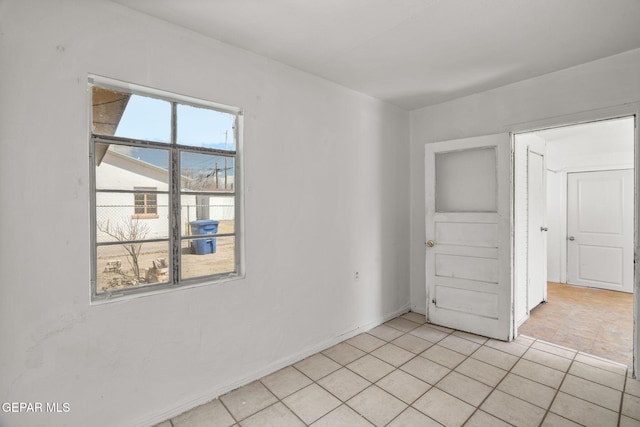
(431, 243)
(544, 229)
(572, 238)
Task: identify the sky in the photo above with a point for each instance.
(150, 119)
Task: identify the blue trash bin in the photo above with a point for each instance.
(200, 227)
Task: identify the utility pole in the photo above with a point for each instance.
(225, 158)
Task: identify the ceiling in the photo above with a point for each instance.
(414, 53)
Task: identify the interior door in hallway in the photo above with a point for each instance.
(600, 229)
(537, 229)
(468, 221)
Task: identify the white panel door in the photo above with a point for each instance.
(537, 234)
(600, 229)
(468, 223)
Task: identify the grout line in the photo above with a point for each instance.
(451, 370)
(415, 355)
(309, 385)
(477, 408)
(431, 386)
(559, 387)
(624, 388)
(344, 402)
(228, 411)
(279, 400)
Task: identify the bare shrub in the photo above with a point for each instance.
(129, 230)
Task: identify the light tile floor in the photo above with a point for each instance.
(410, 373)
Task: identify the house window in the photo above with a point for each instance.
(171, 158)
(145, 205)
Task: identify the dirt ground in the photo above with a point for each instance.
(222, 261)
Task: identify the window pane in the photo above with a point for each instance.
(123, 168)
(130, 116)
(126, 266)
(151, 203)
(466, 181)
(208, 256)
(202, 127)
(198, 208)
(116, 218)
(206, 172)
(139, 203)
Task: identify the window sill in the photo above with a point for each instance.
(145, 216)
(116, 296)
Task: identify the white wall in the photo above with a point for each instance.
(139, 361)
(576, 93)
(556, 222)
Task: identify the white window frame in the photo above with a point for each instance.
(175, 238)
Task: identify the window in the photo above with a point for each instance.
(145, 205)
(168, 158)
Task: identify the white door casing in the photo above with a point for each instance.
(537, 234)
(600, 229)
(468, 222)
(529, 210)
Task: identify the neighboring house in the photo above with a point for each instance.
(118, 171)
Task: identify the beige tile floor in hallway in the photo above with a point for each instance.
(409, 373)
(595, 321)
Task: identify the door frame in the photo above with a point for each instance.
(522, 151)
(626, 110)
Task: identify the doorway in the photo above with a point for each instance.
(587, 186)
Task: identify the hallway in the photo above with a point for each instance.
(593, 321)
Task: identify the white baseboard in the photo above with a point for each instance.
(420, 310)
